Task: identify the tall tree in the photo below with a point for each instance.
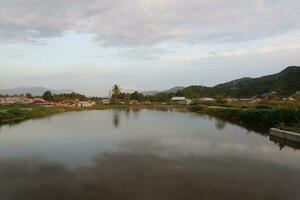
(48, 96)
(116, 91)
(28, 95)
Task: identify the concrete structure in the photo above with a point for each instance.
(287, 135)
(181, 100)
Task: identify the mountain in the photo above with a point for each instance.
(197, 91)
(150, 93)
(35, 91)
(285, 83)
(172, 90)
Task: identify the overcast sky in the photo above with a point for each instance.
(89, 45)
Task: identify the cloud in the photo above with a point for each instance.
(148, 22)
(228, 54)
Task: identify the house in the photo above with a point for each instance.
(246, 99)
(206, 99)
(147, 102)
(256, 100)
(85, 103)
(188, 101)
(39, 101)
(181, 100)
(105, 101)
(230, 99)
(134, 102)
(120, 101)
(69, 103)
(15, 100)
(288, 99)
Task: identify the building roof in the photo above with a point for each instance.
(178, 99)
(206, 99)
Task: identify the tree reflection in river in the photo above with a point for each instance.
(282, 143)
(220, 124)
(146, 176)
(116, 118)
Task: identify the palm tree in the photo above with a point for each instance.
(116, 91)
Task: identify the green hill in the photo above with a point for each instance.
(285, 83)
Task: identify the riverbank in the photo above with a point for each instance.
(17, 113)
(286, 118)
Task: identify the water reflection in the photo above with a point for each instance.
(142, 154)
(116, 118)
(147, 176)
(282, 143)
(220, 124)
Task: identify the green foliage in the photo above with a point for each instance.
(263, 106)
(297, 95)
(48, 96)
(116, 91)
(137, 96)
(262, 117)
(196, 92)
(71, 96)
(28, 95)
(285, 83)
(161, 97)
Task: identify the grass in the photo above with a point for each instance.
(293, 128)
(17, 112)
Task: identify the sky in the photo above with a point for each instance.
(90, 45)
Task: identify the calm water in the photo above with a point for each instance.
(145, 154)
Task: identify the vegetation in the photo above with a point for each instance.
(69, 96)
(267, 117)
(296, 96)
(116, 92)
(17, 112)
(48, 96)
(285, 83)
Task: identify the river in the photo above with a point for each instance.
(143, 154)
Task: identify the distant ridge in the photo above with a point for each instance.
(35, 91)
(172, 90)
(285, 83)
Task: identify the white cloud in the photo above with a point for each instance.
(145, 22)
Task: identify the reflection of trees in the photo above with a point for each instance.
(135, 112)
(144, 176)
(282, 143)
(116, 118)
(220, 124)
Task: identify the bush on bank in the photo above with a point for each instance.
(263, 117)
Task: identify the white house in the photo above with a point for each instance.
(181, 100)
(206, 99)
(85, 103)
(105, 101)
